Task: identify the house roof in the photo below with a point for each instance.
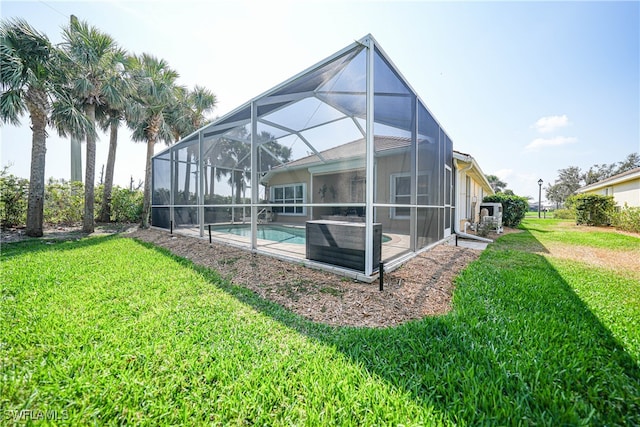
(473, 169)
(350, 150)
(629, 175)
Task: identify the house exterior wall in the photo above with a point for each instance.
(627, 192)
(471, 189)
(470, 193)
(348, 187)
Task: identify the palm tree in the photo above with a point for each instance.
(154, 97)
(187, 115)
(29, 72)
(111, 116)
(91, 59)
(496, 184)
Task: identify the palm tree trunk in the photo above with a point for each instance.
(187, 178)
(105, 211)
(146, 205)
(35, 208)
(89, 178)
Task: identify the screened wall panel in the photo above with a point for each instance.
(161, 182)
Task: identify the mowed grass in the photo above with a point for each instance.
(613, 295)
(111, 331)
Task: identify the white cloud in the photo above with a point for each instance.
(550, 123)
(503, 174)
(538, 143)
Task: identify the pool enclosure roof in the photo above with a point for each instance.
(328, 93)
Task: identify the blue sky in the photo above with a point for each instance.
(527, 88)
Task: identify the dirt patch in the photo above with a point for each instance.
(70, 232)
(627, 262)
(422, 287)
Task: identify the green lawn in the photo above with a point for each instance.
(109, 330)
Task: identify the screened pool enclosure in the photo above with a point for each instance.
(341, 166)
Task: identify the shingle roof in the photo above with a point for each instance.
(350, 150)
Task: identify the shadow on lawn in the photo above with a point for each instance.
(44, 244)
(520, 347)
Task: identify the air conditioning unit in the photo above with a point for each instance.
(491, 213)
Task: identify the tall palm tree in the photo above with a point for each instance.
(29, 71)
(111, 116)
(155, 96)
(189, 114)
(91, 62)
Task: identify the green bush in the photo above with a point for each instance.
(514, 208)
(14, 192)
(126, 205)
(564, 214)
(627, 219)
(63, 202)
(592, 209)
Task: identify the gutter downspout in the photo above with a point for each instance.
(456, 223)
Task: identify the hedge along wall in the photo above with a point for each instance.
(592, 209)
(514, 207)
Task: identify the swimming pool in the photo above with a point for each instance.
(272, 232)
(275, 233)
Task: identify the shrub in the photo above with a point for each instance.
(592, 209)
(627, 219)
(564, 214)
(514, 208)
(126, 205)
(63, 202)
(14, 193)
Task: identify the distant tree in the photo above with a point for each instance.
(597, 172)
(568, 181)
(631, 162)
(554, 194)
(496, 183)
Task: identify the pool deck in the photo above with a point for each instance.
(399, 244)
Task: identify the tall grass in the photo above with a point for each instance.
(108, 330)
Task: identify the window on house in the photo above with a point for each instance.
(401, 193)
(289, 194)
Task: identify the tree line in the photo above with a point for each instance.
(572, 178)
(89, 82)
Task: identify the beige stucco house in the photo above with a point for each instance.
(472, 187)
(624, 187)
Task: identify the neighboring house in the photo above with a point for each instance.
(472, 187)
(624, 187)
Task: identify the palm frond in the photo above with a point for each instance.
(69, 118)
(12, 106)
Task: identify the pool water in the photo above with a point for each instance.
(274, 233)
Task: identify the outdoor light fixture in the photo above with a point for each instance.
(539, 195)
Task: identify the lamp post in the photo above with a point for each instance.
(539, 196)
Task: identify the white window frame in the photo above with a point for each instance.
(393, 178)
(273, 200)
